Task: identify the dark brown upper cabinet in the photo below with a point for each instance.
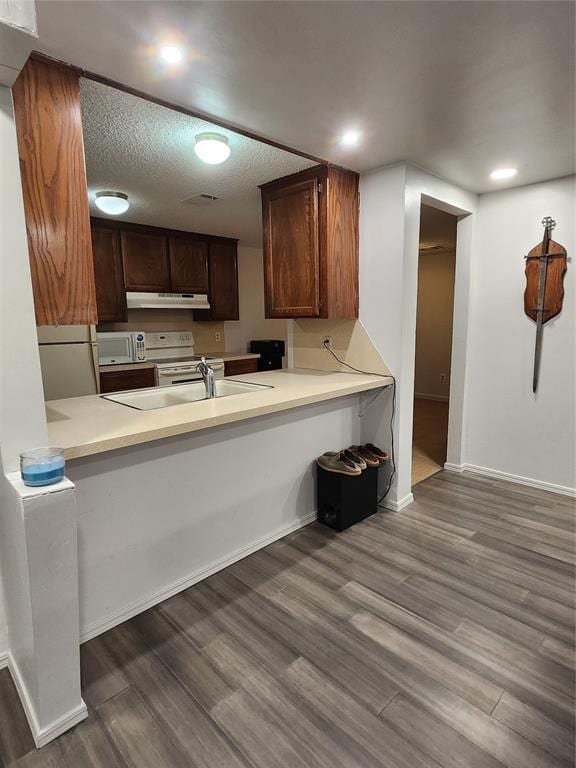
(310, 227)
(110, 290)
(145, 257)
(48, 122)
(135, 257)
(223, 279)
(188, 265)
(223, 265)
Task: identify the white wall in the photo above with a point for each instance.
(22, 417)
(434, 324)
(382, 230)
(389, 243)
(509, 429)
(18, 32)
(223, 493)
(252, 323)
(37, 527)
(22, 414)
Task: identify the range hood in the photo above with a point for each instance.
(167, 300)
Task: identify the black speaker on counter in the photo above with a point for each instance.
(271, 352)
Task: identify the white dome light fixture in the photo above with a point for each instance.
(212, 148)
(503, 173)
(350, 138)
(113, 203)
(171, 54)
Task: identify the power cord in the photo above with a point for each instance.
(327, 346)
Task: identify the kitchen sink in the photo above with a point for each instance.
(179, 394)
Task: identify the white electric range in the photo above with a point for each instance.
(173, 355)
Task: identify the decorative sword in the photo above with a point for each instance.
(548, 223)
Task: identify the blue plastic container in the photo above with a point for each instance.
(42, 466)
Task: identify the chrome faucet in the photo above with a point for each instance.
(208, 376)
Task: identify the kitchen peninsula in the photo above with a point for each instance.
(84, 426)
(167, 497)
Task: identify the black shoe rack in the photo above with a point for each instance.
(344, 500)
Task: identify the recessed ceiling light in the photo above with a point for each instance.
(503, 173)
(113, 203)
(171, 54)
(212, 148)
(350, 138)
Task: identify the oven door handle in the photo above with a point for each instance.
(179, 372)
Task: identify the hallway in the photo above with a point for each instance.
(430, 434)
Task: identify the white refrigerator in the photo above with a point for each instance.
(69, 361)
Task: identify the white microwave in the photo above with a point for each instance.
(121, 347)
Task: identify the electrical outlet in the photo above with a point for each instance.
(442, 377)
(327, 341)
(218, 336)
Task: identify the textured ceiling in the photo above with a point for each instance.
(457, 87)
(147, 151)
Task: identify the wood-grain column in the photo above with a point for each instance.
(51, 149)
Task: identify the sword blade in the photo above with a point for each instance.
(537, 352)
(542, 272)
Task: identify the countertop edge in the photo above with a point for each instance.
(149, 436)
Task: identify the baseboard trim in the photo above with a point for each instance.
(425, 396)
(4, 660)
(43, 736)
(397, 506)
(129, 611)
(497, 474)
(454, 467)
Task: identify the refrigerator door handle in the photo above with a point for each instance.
(96, 366)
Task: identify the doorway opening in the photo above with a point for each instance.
(434, 317)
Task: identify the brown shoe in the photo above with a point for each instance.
(370, 458)
(336, 462)
(378, 452)
(355, 458)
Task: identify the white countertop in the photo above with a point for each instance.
(84, 426)
(226, 356)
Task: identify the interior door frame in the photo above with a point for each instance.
(460, 315)
(424, 202)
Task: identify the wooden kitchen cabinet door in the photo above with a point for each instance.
(310, 225)
(223, 279)
(291, 249)
(240, 367)
(135, 378)
(188, 265)
(48, 121)
(145, 259)
(110, 289)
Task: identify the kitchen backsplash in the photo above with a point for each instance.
(349, 340)
(155, 320)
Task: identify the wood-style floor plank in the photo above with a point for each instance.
(438, 637)
(443, 743)
(15, 737)
(537, 729)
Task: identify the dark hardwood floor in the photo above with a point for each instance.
(438, 637)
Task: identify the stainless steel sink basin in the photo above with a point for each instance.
(164, 397)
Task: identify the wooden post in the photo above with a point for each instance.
(51, 150)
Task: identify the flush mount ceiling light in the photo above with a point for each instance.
(350, 138)
(212, 148)
(113, 203)
(171, 54)
(503, 173)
